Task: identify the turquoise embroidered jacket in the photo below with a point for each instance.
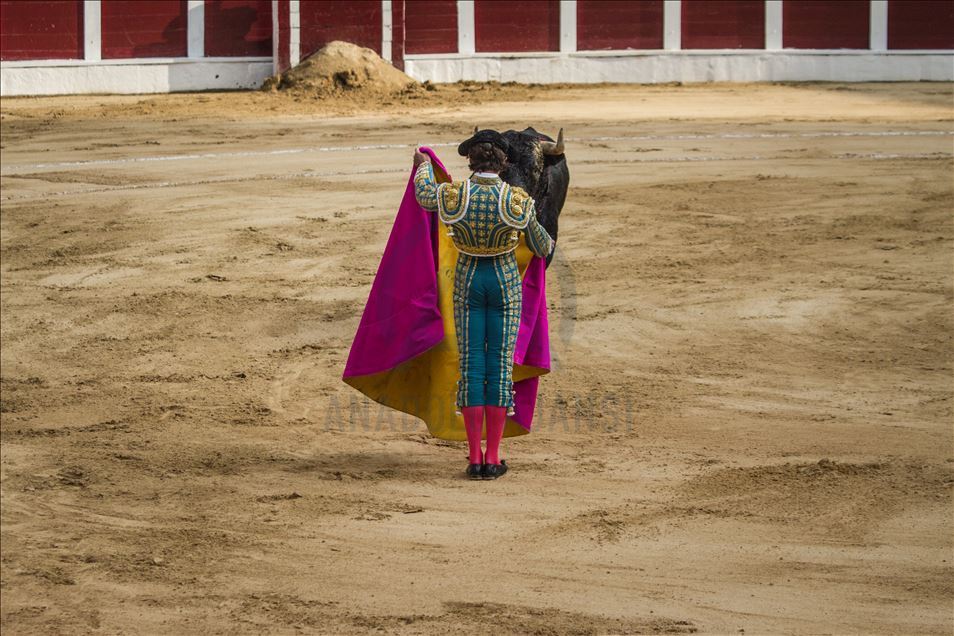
(485, 214)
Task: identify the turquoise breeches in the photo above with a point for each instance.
(488, 294)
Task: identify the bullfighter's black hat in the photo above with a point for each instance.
(485, 136)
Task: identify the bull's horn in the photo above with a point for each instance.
(551, 148)
(476, 129)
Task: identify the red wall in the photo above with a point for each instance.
(284, 37)
(834, 24)
(920, 24)
(723, 24)
(356, 21)
(610, 24)
(144, 28)
(397, 33)
(34, 30)
(430, 26)
(506, 27)
(53, 29)
(235, 28)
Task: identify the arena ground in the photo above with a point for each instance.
(748, 425)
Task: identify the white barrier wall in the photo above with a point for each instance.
(92, 74)
(653, 67)
(673, 64)
(132, 76)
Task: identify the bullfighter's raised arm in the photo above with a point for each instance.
(425, 184)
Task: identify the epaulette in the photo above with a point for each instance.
(516, 206)
(452, 200)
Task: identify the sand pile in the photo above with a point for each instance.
(342, 68)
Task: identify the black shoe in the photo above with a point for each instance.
(475, 471)
(493, 471)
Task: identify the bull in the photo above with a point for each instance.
(536, 163)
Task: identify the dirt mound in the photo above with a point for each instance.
(340, 68)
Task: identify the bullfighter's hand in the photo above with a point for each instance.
(419, 158)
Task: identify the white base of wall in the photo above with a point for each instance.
(685, 66)
(132, 76)
(72, 77)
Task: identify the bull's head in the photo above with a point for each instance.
(536, 163)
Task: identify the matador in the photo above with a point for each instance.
(485, 217)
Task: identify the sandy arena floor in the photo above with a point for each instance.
(748, 427)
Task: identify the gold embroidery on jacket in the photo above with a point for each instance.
(485, 215)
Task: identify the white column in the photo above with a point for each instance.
(275, 68)
(387, 29)
(878, 26)
(672, 25)
(773, 25)
(294, 35)
(195, 28)
(92, 31)
(466, 41)
(567, 26)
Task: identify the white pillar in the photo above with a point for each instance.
(567, 26)
(195, 28)
(773, 25)
(672, 25)
(466, 41)
(878, 25)
(294, 35)
(92, 31)
(387, 29)
(275, 68)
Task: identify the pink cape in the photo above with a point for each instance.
(404, 353)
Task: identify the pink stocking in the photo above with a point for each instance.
(473, 424)
(496, 418)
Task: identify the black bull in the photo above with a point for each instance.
(537, 164)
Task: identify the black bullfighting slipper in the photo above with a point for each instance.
(493, 471)
(475, 471)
